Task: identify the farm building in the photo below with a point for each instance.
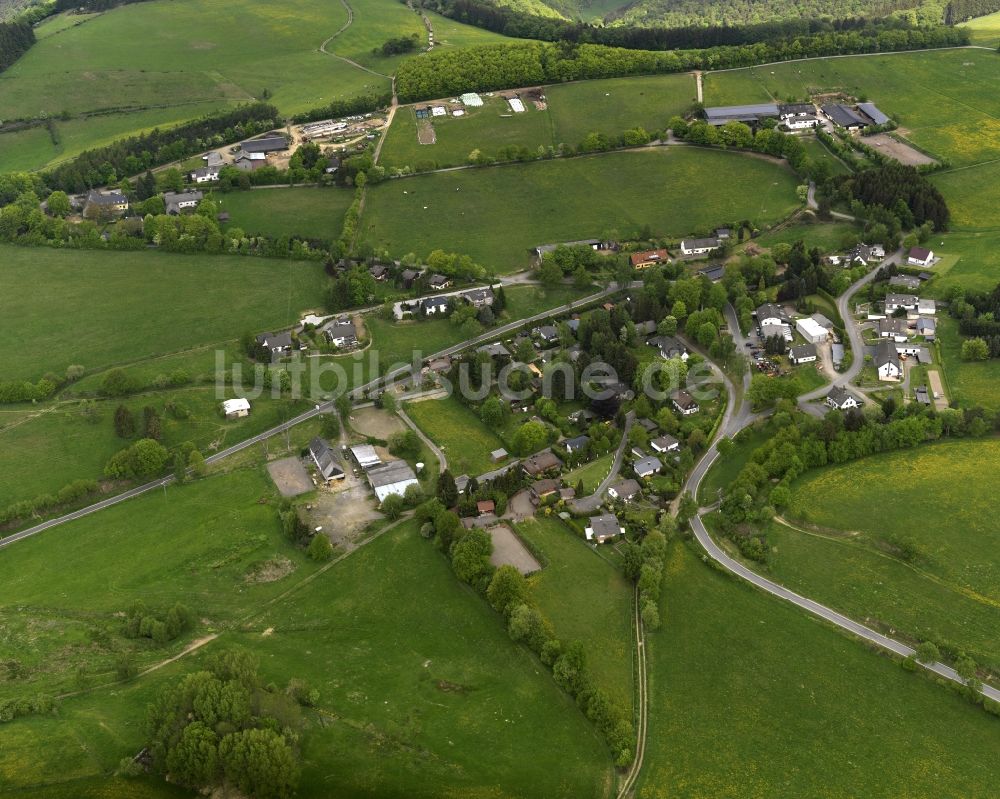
(248, 162)
(926, 328)
(391, 478)
(472, 100)
(844, 116)
(236, 408)
(516, 105)
(771, 314)
(804, 353)
(365, 456)
(811, 330)
(603, 528)
(713, 272)
(699, 246)
(750, 114)
(325, 127)
(325, 459)
(781, 331)
(265, 144)
(920, 256)
(872, 111)
(926, 306)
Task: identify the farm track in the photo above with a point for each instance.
(345, 59)
(642, 688)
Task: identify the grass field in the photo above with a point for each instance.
(961, 122)
(58, 445)
(855, 576)
(968, 382)
(725, 469)
(464, 439)
(825, 235)
(471, 211)
(590, 473)
(972, 195)
(614, 105)
(984, 30)
(102, 308)
(818, 153)
(396, 695)
(739, 679)
(317, 213)
(586, 599)
(949, 529)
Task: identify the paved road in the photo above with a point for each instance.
(593, 502)
(813, 205)
(730, 426)
(321, 408)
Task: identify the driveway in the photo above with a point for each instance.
(593, 502)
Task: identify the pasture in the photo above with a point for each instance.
(818, 153)
(311, 212)
(99, 309)
(972, 195)
(944, 100)
(970, 259)
(967, 382)
(471, 211)
(941, 511)
(985, 31)
(58, 444)
(612, 106)
(827, 236)
(739, 679)
(457, 430)
(586, 599)
(866, 581)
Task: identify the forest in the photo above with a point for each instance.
(16, 39)
(444, 73)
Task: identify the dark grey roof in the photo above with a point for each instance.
(548, 332)
(669, 346)
(727, 113)
(885, 352)
(325, 458)
(439, 280)
(265, 145)
(646, 424)
(341, 328)
(606, 525)
(111, 198)
(389, 473)
(699, 244)
(627, 488)
(840, 395)
(478, 295)
(798, 109)
(844, 116)
(577, 442)
(665, 442)
(771, 311)
(434, 302)
(802, 351)
(906, 281)
(648, 464)
(713, 271)
(276, 340)
(871, 111)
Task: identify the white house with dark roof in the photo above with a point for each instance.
(665, 443)
(895, 302)
(841, 399)
(341, 333)
(325, 459)
(887, 362)
(771, 314)
(603, 528)
(647, 466)
(699, 246)
(803, 353)
(685, 403)
(920, 256)
(625, 490)
(177, 201)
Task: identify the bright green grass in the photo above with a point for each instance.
(449, 33)
(972, 195)
(857, 578)
(194, 544)
(316, 213)
(825, 235)
(59, 23)
(739, 679)
(458, 431)
(969, 383)
(614, 105)
(969, 259)
(471, 211)
(944, 99)
(950, 528)
(422, 692)
(33, 148)
(586, 599)
(590, 473)
(525, 301)
(487, 129)
(818, 153)
(171, 54)
(376, 21)
(398, 342)
(57, 446)
(984, 30)
(100, 308)
(726, 468)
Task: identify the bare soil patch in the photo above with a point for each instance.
(343, 511)
(508, 549)
(376, 423)
(425, 132)
(898, 150)
(270, 571)
(290, 476)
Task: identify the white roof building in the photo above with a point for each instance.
(472, 100)
(811, 330)
(236, 407)
(366, 456)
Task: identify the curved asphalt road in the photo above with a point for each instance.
(593, 502)
(321, 408)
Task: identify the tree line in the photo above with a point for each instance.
(444, 73)
(16, 38)
(978, 313)
(901, 190)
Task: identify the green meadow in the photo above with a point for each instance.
(311, 212)
(752, 698)
(99, 309)
(967, 382)
(985, 31)
(972, 194)
(944, 101)
(458, 431)
(471, 210)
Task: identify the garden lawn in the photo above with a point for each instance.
(941, 509)
(967, 382)
(470, 211)
(486, 129)
(944, 100)
(310, 212)
(57, 445)
(590, 473)
(586, 599)
(458, 431)
(851, 574)
(103, 308)
(752, 698)
(614, 105)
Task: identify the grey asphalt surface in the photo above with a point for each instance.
(321, 408)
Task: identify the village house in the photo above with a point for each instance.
(648, 258)
(276, 343)
(926, 327)
(408, 277)
(547, 333)
(479, 297)
(887, 362)
(486, 506)
(175, 202)
(236, 408)
(379, 271)
(647, 466)
(699, 246)
(779, 331)
(685, 403)
(895, 302)
(111, 203)
(669, 347)
(665, 443)
(841, 399)
(920, 256)
(205, 174)
(798, 116)
(895, 329)
(494, 350)
(432, 306)
(603, 528)
(438, 282)
(577, 444)
(542, 489)
(803, 353)
(771, 314)
(341, 333)
(625, 490)
(540, 463)
(325, 460)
